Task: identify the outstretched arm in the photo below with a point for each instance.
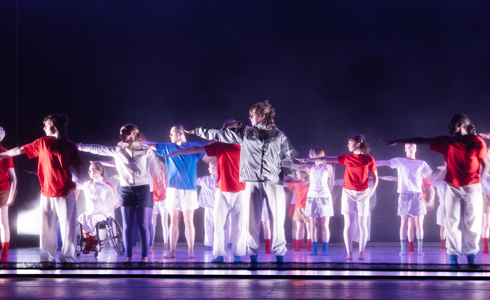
(389, 178)
(383, 163)
(416, 140)
(224, 135)
(327, 159)
(485, 135)
(304, 167)
(191, 150)
(105, 163)
(12, 152)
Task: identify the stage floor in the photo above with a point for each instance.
(379, 257)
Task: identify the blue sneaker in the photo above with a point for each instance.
(237, 259)
(279, 259)
(218, 260)
(471, 259)
(208, 248)
(253, 258)
(453, 259)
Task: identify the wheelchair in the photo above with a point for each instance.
(108, 231)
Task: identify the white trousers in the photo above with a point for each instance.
(275, 201)
(208, 227)
(463, 219)
(89, 220)
(231, 212)
(64, 209)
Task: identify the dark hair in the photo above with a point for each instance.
(139, 136)
(99, 167)
(266, 110)
(363, 145)
(465, 121)
(317, 151)
(306, 175)
(232, 123)
(60, 122)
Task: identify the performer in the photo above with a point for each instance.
(230, 196)
(319, 206)
(181, 187)
(137, 166)
(159, 196)
(486, 210)
(8, 185)
(263, 149)
(300, 187)
(208, 186)
(356, 191)
(266, 227)
(464, 153)
(101, 200)
(411, 174)
(57, 155)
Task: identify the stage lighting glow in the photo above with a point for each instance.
(28, 221)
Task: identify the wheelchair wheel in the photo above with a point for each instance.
(116, 236)
(79, 240)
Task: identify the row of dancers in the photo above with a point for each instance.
(251, 163)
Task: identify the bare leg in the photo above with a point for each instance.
(348, 220)
(486, 226)
(4, 224)
(301, 231)
(325, 230)
(363, 234)
(403, 227)
(266, 226)
(419, 226)
(442, 233)
(174, 232)
(410, 228)
(295, 230)
(190, 232)
(314, 229)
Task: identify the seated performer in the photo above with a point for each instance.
(356, 191)
(57, 156)
(100, 201)
(411, 173)
(319, 206)
(8, 184)
(230, 204)
(464, 153)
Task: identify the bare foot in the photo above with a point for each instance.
(169, 255)
(129, 259)
(165, 246)
(191, 255)
(150, 250)
(361, 255)
(349, 256)
(144, 259)
(134, 250)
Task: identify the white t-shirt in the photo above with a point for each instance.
(319, 181)
(410, 174)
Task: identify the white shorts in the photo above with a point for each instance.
(159, 208)
(411, 205)
(319, 207)
(178, 199)
(265, 214)
(353, 201)
(441, 215)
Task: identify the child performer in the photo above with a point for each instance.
(464, 153)
(159, 196)
(319, 206)
(263, 147)
(230, 198)
(300, 187)
(57, 155)
(101, 200)
(136, 166)
(208, 186)
(411, 173)
(8, 184)
(356, 191)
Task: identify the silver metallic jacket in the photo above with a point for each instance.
(261, 154)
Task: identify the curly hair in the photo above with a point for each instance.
(361, 139)
(265, 109)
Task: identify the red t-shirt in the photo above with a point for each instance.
(357, 167)
(228, 166)
(5, 165)
(301, 190)
(463, 157)
(54, 165)
(425, 184)
(159, 195)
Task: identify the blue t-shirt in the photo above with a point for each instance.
(181, 170)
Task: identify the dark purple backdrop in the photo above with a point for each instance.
(330, 68)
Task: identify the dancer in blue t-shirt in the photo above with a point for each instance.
(181, 187)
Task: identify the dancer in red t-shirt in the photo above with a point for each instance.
(464, 153)
(57, 156)
(356, 192)
(8, 184)
(300, 187)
